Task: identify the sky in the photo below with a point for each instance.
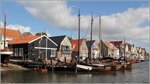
(129, 18)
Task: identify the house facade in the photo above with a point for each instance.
(33, 48)
(104, 50)
(94, 47)
(83, 49)
(63, 49)
(133, 52)
(139, 52)
(112, 51)
(9, 35)
(126, 49)
(117, 44)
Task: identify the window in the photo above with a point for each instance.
(16, 51)
(65, 49)
(20, 51)
(53, 53)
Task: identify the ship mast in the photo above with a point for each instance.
(124, 48)
(78, 34)
(100, 37)
(4, 31)
(91, 38)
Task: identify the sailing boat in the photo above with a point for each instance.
(5, 53)
(127, 65)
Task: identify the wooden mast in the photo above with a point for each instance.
(100, 37)
(4, 31)
(91, 38)
(78, 34)
(46, 30)
(124, 48)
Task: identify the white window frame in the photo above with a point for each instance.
(53, 53)
(16, 51)
(20, 51)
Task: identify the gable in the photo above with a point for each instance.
(83, 46)
(57, 39)
(41, 43)
(66, 42)
(95, 45)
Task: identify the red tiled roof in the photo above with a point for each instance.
(108, 45)
(116, 43)
(75, 44)
(23, 40)
(11, 33)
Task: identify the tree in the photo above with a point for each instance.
(40, 33)
(26, 34)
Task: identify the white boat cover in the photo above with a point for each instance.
(84, 67)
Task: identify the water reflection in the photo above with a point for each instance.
(139, 74)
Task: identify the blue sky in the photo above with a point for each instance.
(16, 14)
(106, 7)
(22, 13)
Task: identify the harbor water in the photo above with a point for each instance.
(138, 74)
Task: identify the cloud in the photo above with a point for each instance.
(16, 27)
(114, 27)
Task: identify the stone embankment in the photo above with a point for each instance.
(12, 67)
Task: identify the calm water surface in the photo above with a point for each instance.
(138, 74)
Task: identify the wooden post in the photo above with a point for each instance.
(52, 64)
(65, 58)
(76, 68)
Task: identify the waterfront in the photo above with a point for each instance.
(138, 74)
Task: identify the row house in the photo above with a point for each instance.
(117, 44)
(33, 48)
(9, 35)
(133, 52)
(125, 50)
(112, 51)
(104, 50)
(143, 52)
(63, 49)
(83, 49)
(94, 47)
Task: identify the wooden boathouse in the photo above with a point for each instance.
(33, 48)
